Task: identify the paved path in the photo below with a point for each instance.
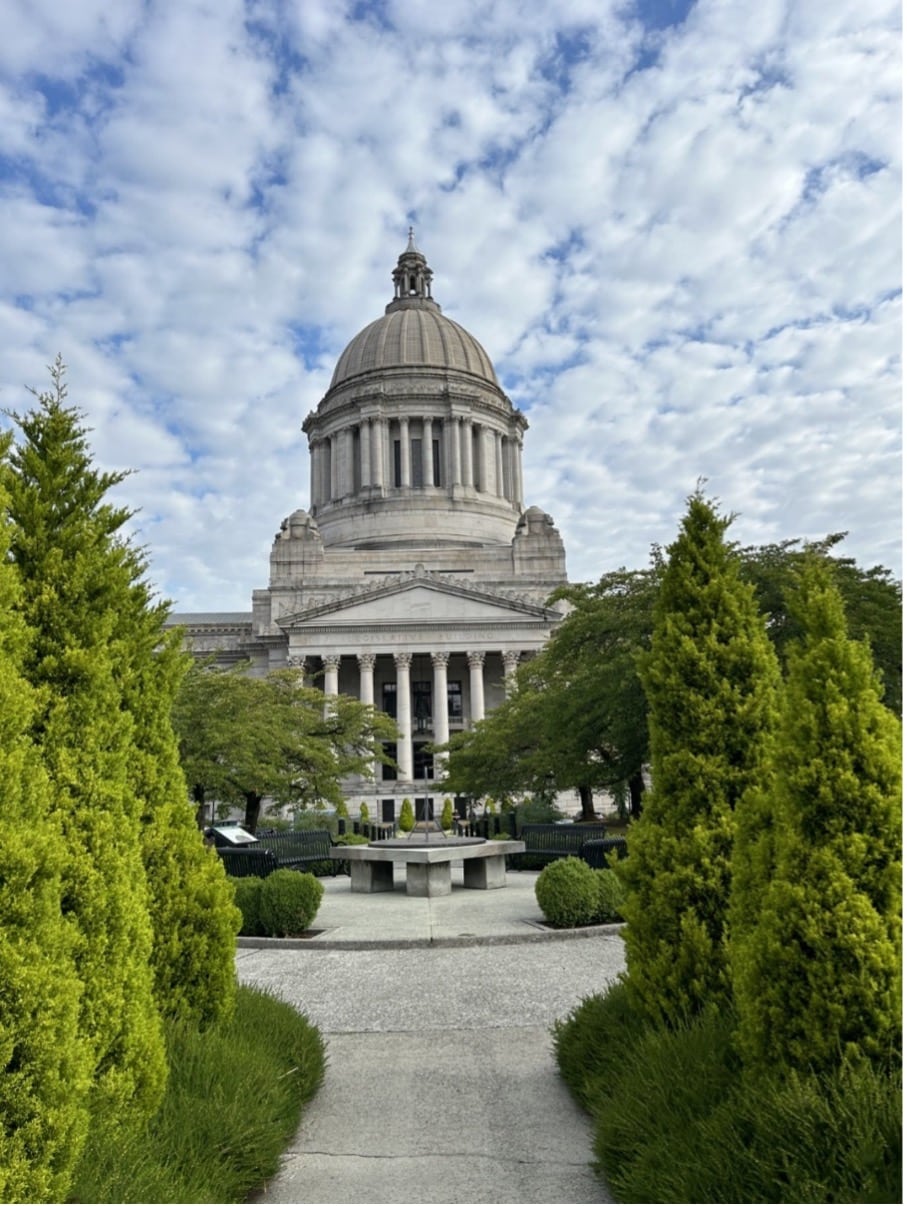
(441, 1085)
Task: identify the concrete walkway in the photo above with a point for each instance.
(441, 1085)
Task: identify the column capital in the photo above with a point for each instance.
(439, 659)
(476, 657)
(366, 661)
(403, 660)
(331, 661)
(297, 661)
(511, 659)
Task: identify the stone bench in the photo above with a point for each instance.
(427, 866)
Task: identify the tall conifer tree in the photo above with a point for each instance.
(75, 572)
(193, 916)
(816, 933)
(710, 679)
(43, 1059)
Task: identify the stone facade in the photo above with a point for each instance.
(417, 580)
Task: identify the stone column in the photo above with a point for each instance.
(334, 485)
(486, 461)
(469, 473)
(508, 489)
(323, 464)
(348, 479)
(518, 472)
(404, 718)
(365, 455)
(366, 678)
(313, 474)
(367, 696)
(439, 706)
(331, 673)
(428, 477)
(379, 450)
(511, 661)
(476, 661)
(452, 439)
(297, 662)
(405, 478)
(498, 464)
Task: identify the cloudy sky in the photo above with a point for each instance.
(674, 226)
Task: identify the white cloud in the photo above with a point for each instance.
(681, 249)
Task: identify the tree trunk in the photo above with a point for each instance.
(635, 784)
(253, 810)
(586, 804)
(198, 796)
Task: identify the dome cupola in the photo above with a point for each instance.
(415, 439)
(413, 332)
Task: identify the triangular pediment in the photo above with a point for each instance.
(414, 600)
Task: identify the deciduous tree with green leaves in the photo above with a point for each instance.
(577, 716)
(710, 680)
(872, 600)
(816, 921)
(244, 738)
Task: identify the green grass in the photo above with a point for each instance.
(675, 1119)
(233, 1102)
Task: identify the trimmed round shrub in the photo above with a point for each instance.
(289, 901)
(567, 893)
(247, 895)
(610, 895)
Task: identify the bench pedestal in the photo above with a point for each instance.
(372, 877)
(427, 867)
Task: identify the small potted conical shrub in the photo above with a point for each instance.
(447, 816)
(407, 817)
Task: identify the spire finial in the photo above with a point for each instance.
(411, 245)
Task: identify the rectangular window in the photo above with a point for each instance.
(389, 699)
(398, 469)
(389, 772)
(421, 706)
(416, 463)
(454, 700)
(436, 461)
(425, 808)
(423, 764)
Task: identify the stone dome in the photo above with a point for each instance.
(414, 336)
(413, 333)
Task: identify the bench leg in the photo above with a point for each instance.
(428, 879)
(371, 877)
(484, 872)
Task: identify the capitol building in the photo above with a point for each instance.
(417, 579)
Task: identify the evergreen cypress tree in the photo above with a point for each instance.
(43, 1090)
(815, 940)
(76, 571)
(710, 678)
(193, 916)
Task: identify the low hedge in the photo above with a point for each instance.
(676, 1119)
(277, 907)
(289, 901)
(570, 893)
